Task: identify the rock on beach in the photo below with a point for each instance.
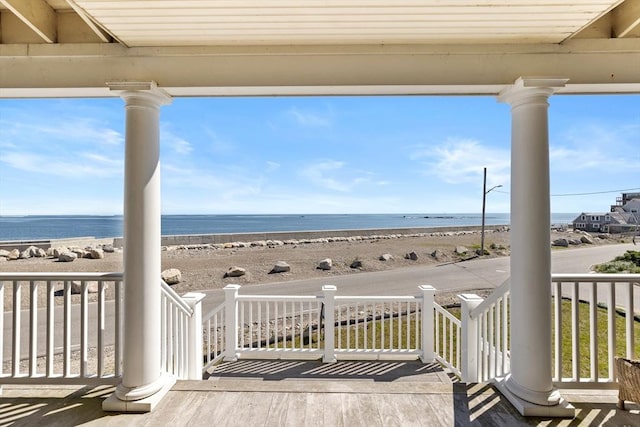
(280, 267)
(235, 272)
(325, 264)
(67, 256)
(171, 276)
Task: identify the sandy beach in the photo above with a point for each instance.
(204, 267)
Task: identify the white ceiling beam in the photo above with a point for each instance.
(94, 27)
(625, 18)
(37, 14)
(591, 65)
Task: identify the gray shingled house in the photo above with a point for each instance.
(623, 218)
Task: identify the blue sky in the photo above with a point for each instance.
(312, 154)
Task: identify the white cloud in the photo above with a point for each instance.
(272, 166)
(226, 185)
(597, 148)
(64, 146)
(458, 161)
(175, 143)
(93, 166)
(79, 130)
(305, 118)
(332, 175)
(217, 144)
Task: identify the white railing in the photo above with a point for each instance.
(324, 326)
(45, 335)
(579, 296)
(181, 333)
(214, 333)
(378, 327)
(485, 329)
(448, 334)
(485, 335)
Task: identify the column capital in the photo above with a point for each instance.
(140, 93)
(527, 90)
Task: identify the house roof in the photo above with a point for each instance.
(266, 47)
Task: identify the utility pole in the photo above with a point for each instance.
(484, 202)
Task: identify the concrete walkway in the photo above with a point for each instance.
(294, 393)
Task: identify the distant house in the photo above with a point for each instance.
(593, 222)
(623, 200)
(624, 217)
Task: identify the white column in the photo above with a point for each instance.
(427, 310)
(194, 339)
(141, 359)
(231, 323)
(531, 367)
(470, 339)
(329, 298)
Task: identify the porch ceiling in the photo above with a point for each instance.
(264, 47)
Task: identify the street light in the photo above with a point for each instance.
(484, 201)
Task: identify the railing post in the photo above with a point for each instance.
(231, 323)
(194, 338)
(426, 311)
(329, 292)
(470, 338)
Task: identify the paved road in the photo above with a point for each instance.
(455, 277)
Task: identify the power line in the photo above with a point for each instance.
(595, 192)
(581, 194)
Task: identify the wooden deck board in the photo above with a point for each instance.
(277, 413)
(314, 409)
(333, 412)
(406, 396)
(438, 409)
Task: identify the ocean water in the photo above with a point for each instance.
(59, 227)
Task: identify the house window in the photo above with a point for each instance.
(595, 226)
(584, 218)
(595, 218)
(607, 218)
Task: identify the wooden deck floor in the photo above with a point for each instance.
(284, 393)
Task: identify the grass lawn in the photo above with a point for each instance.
(398, 333)
(583, 327)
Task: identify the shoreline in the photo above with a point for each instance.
(205, 266)
(221, 238)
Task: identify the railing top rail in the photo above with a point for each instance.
(401, 298)
(114, 276)
(498, 293)
(213, 312)
(443, 311)
(596, 277)
(175, 298)
(279, 298)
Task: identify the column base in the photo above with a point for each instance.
(427, 359)
(146, 404)
(562, 409)
(230, 358)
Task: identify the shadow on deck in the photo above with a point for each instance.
(294, 393)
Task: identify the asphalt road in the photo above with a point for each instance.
(453, 277)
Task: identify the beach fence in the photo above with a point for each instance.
(61, 328)
(595, 318)
(50, 334)
(331, 327)
(67, 328)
